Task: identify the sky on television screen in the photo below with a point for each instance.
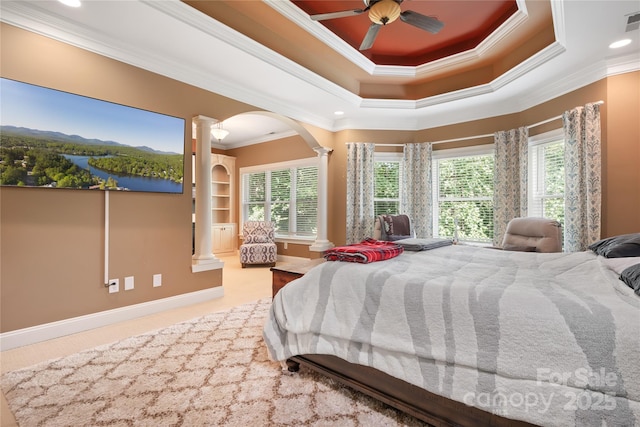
(36, 107)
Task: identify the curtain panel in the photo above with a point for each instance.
(416, 188)
(360, 191)
(583, 186)
(510, 179)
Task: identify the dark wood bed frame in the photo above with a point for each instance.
(417, 402)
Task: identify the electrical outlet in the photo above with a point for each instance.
(157, 280)
(128, 283)
(114, 286)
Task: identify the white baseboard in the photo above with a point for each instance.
(47, 331)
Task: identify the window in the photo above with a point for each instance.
(388, 182)
(463, 193)
(285, 193)
(546, 176)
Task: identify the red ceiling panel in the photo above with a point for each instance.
(467, 23)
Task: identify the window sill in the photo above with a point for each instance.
(296, 240)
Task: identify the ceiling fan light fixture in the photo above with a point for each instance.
(384, 12)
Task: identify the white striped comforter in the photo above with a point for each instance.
(552, 339)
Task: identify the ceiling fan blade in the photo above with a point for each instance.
(370, 37)
(332, 15)
(421, 21)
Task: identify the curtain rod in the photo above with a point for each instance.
(464, 138)
(441, 142)
(556, 117)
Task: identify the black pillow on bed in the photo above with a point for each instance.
(631, 276)
(622, 246)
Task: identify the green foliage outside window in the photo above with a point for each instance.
(386, 188)
(307, 201)
(553, 205)
(466, 194)
(292, 203)
(256, 196)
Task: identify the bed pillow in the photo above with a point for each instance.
(618, 265)
(394, 237)
(625, 245)
(631, 276)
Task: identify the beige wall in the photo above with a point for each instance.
(620, 146)
(51, 241)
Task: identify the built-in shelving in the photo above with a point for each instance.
(223, 229)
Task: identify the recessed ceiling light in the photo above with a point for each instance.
(619, 43)
(338, 113)
(70, 3)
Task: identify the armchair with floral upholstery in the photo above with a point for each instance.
(258, 245)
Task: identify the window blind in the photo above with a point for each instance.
(386, 199)
(464, 191)
(306, 201)
(285, 194)
(280, 197)
(254, 196)
(546, 180)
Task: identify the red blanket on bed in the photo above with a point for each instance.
(369, 250)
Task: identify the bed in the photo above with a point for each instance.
(462, 335)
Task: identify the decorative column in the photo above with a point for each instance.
(321, 243)
(203, 257)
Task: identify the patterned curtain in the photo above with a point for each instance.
(360, 191)
(510, 179)
(416, 188)
(582, 188)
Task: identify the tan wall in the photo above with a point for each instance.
(620, 146)
(51, 241)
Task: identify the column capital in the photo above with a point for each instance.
(203, 119)
(322, 151)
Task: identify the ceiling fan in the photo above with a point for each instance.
(383, 12)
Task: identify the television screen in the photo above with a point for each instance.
(54, 139)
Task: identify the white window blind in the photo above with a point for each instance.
(307, 201)
(387, 184)
(285, 193)
(254, 196)
(280, 198)
(463, 189)
(546, 179)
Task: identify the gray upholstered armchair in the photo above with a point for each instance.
(258, 246)
(533, 234)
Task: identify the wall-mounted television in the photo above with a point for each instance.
(55, 139)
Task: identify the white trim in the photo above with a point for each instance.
(475, 150)
(296, 240)
(308, 161)
(550, 136)
(47, 331)
(388, 156)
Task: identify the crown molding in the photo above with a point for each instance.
(503, 95)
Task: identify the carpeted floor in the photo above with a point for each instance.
(210, 371)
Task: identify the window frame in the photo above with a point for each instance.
(453, 153)
(390, 157)
(536, 175)
(292, 165)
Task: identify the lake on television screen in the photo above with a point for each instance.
(56, 139)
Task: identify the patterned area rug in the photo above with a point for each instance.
(210, 371)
